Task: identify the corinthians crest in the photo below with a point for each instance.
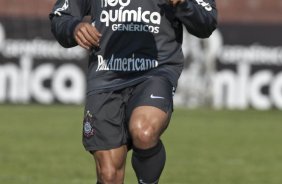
(88, 130)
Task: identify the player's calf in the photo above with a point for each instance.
(148, 164)
(110, 165)
(148, 159)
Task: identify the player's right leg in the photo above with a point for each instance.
(104, 135)
(110, 165)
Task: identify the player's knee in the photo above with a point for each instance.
(108, 175)
(145, 130)
(144, 138)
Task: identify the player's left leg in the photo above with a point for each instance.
(150, 110)
(146, 126)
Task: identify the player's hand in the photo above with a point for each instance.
(175, 2)
(86, 35)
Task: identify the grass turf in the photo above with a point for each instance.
(42, 145)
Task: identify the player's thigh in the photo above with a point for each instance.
(150, 107)
(104, 127)
(149, 120)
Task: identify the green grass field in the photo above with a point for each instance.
(42, 145)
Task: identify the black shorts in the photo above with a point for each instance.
(106, 118)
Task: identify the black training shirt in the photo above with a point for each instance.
(140, 39)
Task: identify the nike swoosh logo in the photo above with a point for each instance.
(156, 97)
(142, 182)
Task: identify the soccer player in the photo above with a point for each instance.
(135, 60)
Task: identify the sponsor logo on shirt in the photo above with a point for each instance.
(63, 8)
(207, 6)
(125, 64)
(115, 14)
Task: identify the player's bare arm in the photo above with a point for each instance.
(86, 35)
(175, 2)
